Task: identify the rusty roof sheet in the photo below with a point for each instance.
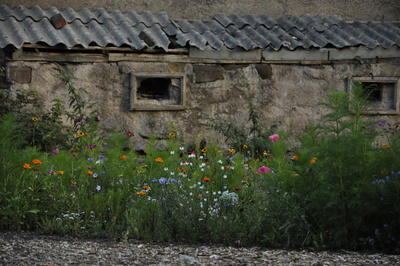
(85, 28)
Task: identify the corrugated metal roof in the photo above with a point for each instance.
(87, 28)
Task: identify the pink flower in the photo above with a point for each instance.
(263, 169)
(274, 137)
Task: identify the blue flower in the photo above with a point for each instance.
(370, 240)
(90, 159)
(162, 180)
(376, 231)
(154, 180)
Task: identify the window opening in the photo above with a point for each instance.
(157, 92)
(381, 94)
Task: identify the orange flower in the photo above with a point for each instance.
(123, 157)
(206, 179)
(90, 172)
(160, 160)
(36, 161)
(61, 172)
(146, 187)
(199, 196)
(181, 169)
(27, 166)
(237, 188)
(313, 160)
(295, 157)
(36, 168)
(141, 193)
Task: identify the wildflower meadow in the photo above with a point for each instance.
(337, 188)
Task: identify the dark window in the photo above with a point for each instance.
(381, 94)
(157, 92)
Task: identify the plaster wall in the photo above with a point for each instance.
(202, 9)
(287, 96)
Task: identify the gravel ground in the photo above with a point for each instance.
(28, 248)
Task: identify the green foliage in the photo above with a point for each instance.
(339, 189)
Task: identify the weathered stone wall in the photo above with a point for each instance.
(203, 9)
(285, 94)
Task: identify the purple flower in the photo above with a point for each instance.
(95, 176)
(54, 152)
(91, 146)
(78, 120)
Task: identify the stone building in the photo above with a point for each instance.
(148, 72)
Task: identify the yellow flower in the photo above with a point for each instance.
(61, 172)
(245, 147)
(81, 134)
(313, 161)
(204, 150)
(386, 146)
(231, 151)
(123, 157)
(160, 160)
(36, 161)
(171, 134)
(265, 153)
(27, 166)
(35, 118)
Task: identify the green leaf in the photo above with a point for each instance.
(33, 211)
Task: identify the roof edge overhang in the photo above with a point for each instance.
(31, 52)
(283, 55)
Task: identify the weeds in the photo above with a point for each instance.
(338, 189)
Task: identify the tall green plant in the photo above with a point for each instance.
(248, 138)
